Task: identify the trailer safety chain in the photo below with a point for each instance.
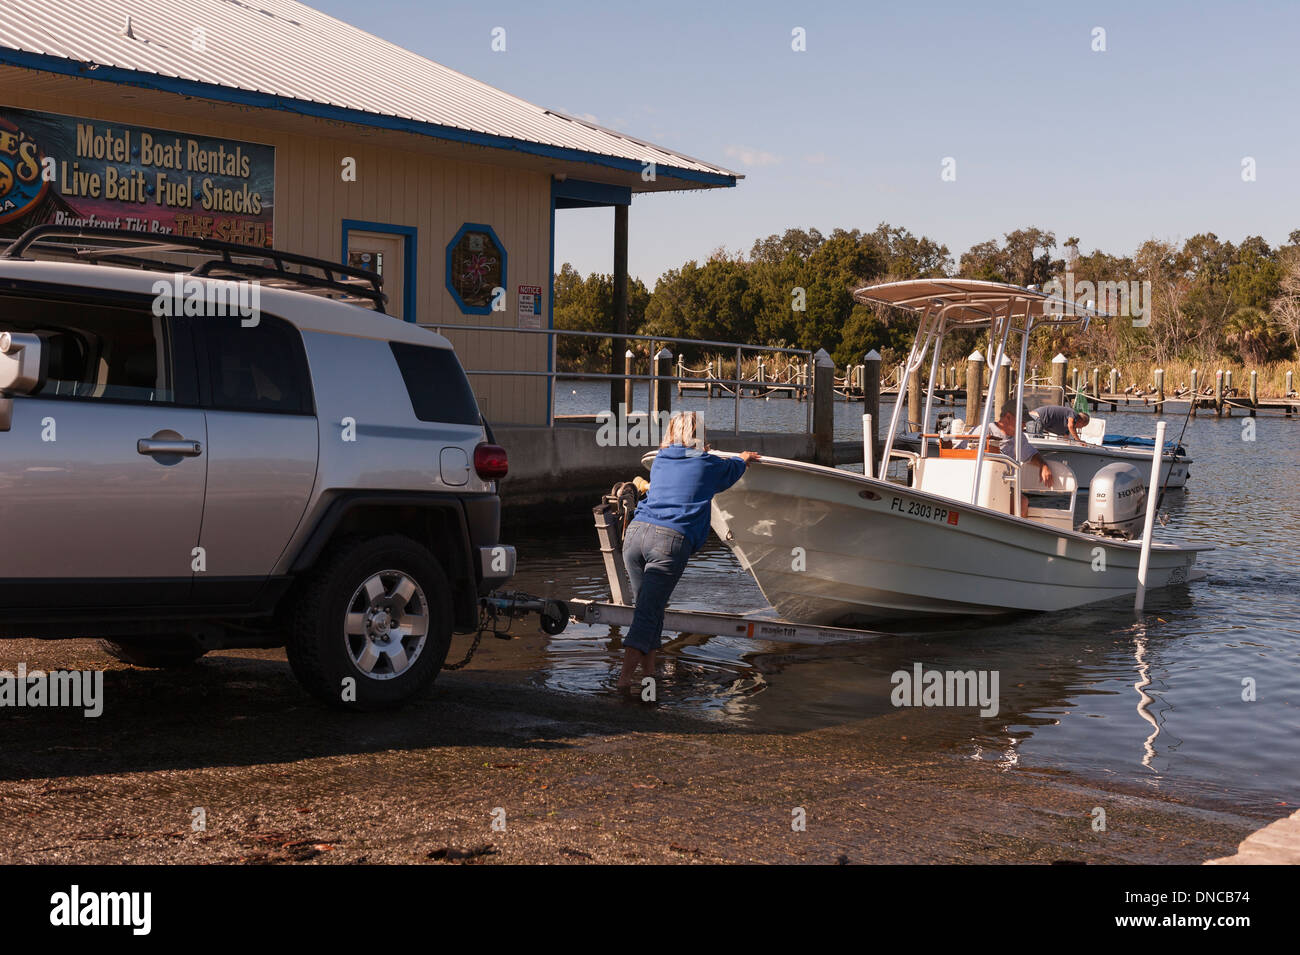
(514, 605)
(469, 656)
(487, 622)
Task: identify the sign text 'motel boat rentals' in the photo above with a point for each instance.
(85, 172)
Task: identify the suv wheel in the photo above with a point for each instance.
(373, 625)
(159, 652)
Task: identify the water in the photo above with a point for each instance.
(1156, 700)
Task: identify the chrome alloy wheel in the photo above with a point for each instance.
(386, 625)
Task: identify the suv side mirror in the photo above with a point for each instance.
(21, 357)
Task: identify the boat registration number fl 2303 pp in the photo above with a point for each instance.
(924, 511)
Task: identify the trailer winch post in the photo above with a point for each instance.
(609, 532)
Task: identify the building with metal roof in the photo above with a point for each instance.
(266, 121)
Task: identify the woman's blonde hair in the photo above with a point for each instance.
(687, 429)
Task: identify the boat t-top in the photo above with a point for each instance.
(973, 532)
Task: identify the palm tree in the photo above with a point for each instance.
(1253, 333)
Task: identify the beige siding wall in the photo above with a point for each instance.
(397, 187)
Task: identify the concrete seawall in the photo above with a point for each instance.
(559, 473)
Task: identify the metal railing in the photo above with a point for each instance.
(554, 374)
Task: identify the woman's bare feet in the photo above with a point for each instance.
(632, 659)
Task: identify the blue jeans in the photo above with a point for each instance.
(655, 557)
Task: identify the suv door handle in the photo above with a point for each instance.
(183, 448)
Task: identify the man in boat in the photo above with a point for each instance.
(1059, 420)
(1017, 447)
(671, 524)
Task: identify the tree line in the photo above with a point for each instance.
(1209, 299)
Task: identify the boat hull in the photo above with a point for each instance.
(836, 548)
(1086, 460)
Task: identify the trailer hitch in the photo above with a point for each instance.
(515, 604)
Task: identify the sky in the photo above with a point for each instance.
(1152, 137)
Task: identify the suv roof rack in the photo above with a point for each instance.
(224, 260)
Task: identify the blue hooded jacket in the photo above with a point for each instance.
(682, 485)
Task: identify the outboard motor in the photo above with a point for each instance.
(1117, 500)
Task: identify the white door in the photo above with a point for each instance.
(383, 254)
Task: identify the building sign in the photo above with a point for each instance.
(530, 306)
(87, 172)
(476, 269)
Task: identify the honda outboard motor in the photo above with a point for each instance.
(1117, 500)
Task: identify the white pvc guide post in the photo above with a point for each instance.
(1153, 497)
(868, 445)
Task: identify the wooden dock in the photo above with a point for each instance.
(714, 389)
(1233, 404)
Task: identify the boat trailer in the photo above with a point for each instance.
(612, 516)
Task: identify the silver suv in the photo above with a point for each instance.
(206, 446)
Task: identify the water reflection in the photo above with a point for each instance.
(1145, 701)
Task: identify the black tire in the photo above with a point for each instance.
(323, 655)
(156, 652)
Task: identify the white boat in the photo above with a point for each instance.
(832, 547)
(1086, 458)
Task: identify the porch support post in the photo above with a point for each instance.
(620, 302)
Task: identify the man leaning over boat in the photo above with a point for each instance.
(1060, 420)
(1018, 449)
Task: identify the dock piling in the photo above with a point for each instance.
(974, 388)
(661, 389)
(1003, 395)
(871, 396)
(914, 410)
(824, 408)
(1059, 364)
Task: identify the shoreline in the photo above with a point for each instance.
(581, 778)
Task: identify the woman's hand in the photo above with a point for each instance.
(749, 457)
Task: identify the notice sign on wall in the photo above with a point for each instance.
(87, 172)
(530, 306)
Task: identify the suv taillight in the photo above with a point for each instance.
(490, 461)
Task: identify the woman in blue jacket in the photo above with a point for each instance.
(670, 525)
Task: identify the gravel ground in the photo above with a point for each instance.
(488, 768)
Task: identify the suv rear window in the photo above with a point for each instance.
(436, 383)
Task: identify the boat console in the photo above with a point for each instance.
(949, 474)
